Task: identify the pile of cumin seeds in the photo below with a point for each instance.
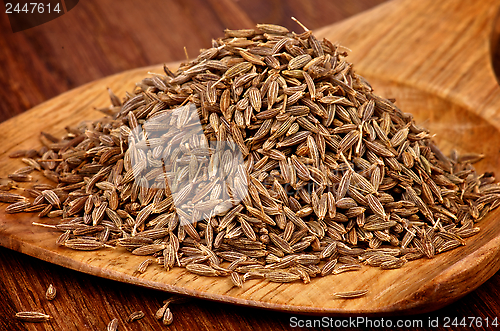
(264, 157)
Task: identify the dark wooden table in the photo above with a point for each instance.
(100, 38)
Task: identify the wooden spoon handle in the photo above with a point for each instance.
(442, 47)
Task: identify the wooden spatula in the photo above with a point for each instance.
(432, 56)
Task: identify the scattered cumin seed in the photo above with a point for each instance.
(113, 325)
(350, 294)
(32, 316)
(137, 315)
(51, 293)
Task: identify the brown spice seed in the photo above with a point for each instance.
(17, 207)
(32, 316)
(350, 294)
(83, 244)
(112, 325)
(17, 153)
(168, 318)
(51, 292)
(136, 315)
(201, 269)
(144, 265)
(281, 276)
(20, 177)
(236, 279)
(11, 197)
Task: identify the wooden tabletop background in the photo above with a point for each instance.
(100, 38)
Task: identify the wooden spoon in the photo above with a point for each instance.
(432, 56)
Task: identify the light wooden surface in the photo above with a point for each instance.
(467, 117)
(443, 48)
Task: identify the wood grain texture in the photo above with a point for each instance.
(443, 48)
(483, 301)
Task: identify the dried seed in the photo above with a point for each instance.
(52, 198)
(136, 315)
(32, 316)
(281, 277)
(394, 264)
(201, 269)
(11, 197)
(17, 153)
(17, 207)
(168, 318)
(375, 205)
(350, 294)
(83, 244)
(236, 279)
(51, 293)
(339, 268)
(272, 28)
(113, 325)
(20, 177)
